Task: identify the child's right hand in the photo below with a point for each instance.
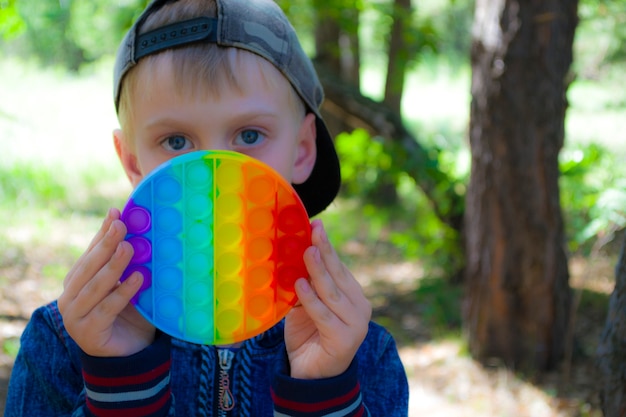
(95, 306)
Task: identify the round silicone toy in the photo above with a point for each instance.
(219, 239)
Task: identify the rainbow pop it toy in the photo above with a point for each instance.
(219, 239)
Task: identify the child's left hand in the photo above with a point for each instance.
(324, 332)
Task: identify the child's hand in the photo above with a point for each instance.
(95, 306)
(323, 334)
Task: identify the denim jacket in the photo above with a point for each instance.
(48, 377)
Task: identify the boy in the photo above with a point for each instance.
(211, 74)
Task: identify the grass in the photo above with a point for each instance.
(51, 120)
(58, 166)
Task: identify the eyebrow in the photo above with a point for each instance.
(236, 117)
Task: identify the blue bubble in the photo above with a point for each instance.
(169, 279)
(167, 190)
(169, 307)
(168, 221)
(168, 250)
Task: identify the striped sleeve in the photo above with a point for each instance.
(337, 397)
(137, 385)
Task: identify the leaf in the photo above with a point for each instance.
(11, 23)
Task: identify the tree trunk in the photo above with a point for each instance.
(398, 58)
(518, 297)
(327, 32)
(611, 355)
(337, 41)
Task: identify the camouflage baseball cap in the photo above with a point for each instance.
(261, 27)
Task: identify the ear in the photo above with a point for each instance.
(127, 157)
(306, 152)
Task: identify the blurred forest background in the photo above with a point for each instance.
(403, 134)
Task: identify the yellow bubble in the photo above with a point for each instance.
(229, 292)
(229, 264)
(228, 321)
(229, 176)
(228, 235)
(229, 206)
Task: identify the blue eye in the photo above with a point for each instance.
(250, 137)
(176, 143)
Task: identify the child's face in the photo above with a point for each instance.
(258, 119)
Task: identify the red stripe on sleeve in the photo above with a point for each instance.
(127, 380)
(131, 412)
(318, 406)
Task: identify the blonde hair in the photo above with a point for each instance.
(201, 68)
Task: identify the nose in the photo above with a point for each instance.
(212, 142)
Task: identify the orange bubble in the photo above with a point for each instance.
(260, 305)
(260, 249)
(260, 220)
(260, 189)
(260, 277)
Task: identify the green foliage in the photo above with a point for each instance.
(415, 228)
(11, 23)
(455, 27)
(593, 195)
(55, 271)
(11, 346)
(48, 32)
(364, 163)
(440, 302)
(26, 184)
(608, 18)
(68, 33)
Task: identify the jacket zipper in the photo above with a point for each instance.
(224, 371)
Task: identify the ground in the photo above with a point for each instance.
(444, 380)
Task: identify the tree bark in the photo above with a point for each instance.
(611, 354)
(398, 57)
(518, 297)
(337, 41)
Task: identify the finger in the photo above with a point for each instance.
(328, 254)
(112, 215)
(320, 278)
(324, 318)
(341, 275)
(91, 262)
(104, 282)
(117, 300)
(328, 292)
